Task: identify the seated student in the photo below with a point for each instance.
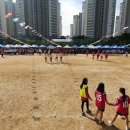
(101, 99)
(122, 104)
(84, 96)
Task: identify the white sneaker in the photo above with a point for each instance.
(121, 117)
(110, 123)
(94, 118)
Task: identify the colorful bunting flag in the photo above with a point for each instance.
(16, 19)
(8, 15)
(30, 27)
(27, 27)
(22, 24)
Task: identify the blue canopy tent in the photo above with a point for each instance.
(1, 45)
(51, 47)
(106, 47)
(82, 47)
(42, 46)
(99, 47)
(74, 47)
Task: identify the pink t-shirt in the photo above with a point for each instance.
(100, 99)
(123, 106)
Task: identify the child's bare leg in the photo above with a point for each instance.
(101, 116)
(97, 112)
(127, 121)
(114, 119)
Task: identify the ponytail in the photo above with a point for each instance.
(122, 91)
(85, 81)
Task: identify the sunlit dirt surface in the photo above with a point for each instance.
(35, 95)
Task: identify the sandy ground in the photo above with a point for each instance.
(35, 95)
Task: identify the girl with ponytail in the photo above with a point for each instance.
(85, 96)
(122, 104)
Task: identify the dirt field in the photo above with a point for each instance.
(35, 95)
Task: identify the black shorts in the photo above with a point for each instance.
(102, 110)
(118, 113)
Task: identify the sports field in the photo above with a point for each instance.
(35, 95)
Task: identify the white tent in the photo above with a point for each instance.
(7, 46)
(34, 46)
(59, 46)
(26, 46)
(16, 46)
(67, 47)
(91, 47)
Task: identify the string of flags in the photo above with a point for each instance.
(8, 15)
(16, 19)
(12, 38)
(28, 27)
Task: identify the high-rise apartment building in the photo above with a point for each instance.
(43, 16)
(84, 18)
(98, 18)
(71, 30)
(76, 27)
(19, 10)
(80, 23)
(117, 26)
(3, 27)
(9, 21)
(125, 16)
(88, 18)
(60, 33)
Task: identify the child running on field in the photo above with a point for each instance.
(122, 104)
(84, 96)
(56, 57)
(45, 57)
(98, 54)
(51, 57)
(93, 55)
(101, 55)
(106, 55)
(101, 99)
(61, 57)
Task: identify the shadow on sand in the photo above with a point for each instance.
(104, 125)
(58, 63)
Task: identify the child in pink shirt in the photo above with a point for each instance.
(122, 104)
(101, 99)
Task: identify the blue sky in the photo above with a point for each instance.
(73, 7)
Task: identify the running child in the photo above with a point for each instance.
(56, 57)
(84, 96)
(106, 55)
(98, 54)
(45, 57)
(126, 54)
(101, 55)
(61, 56)
(101, 99)
(86, 53)
(51, 57)
(93, 55)
(122, 104)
